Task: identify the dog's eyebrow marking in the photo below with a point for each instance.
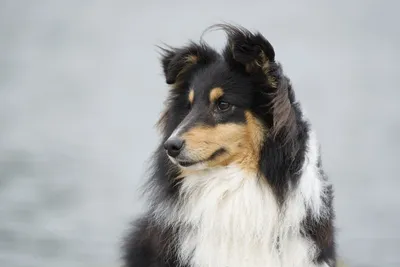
(216, 93)
(191, 96)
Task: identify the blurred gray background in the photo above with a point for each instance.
(81, 89)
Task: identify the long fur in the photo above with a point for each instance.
(280, 215)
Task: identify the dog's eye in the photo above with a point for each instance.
(223, 106)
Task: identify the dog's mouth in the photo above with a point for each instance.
(188, 162)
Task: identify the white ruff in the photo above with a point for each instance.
(231, 218)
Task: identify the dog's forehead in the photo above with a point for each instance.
(213, 75)
(217, 75)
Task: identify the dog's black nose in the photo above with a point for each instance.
(174, 146)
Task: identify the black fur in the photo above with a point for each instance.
(174, 60)
(247, 66)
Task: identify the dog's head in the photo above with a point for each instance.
(222, 107)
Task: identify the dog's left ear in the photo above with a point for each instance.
(179, 64)
(246, 50)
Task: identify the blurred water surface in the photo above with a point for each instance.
(81, 89)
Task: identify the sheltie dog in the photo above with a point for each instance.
(237, 179)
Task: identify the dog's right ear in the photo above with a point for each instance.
(179, 64)
(248, 51)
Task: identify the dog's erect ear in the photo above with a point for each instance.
(252, 54)
(250, 51)
(179, 63)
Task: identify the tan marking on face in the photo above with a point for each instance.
(242, 143)
(191, 96)
(216, 93)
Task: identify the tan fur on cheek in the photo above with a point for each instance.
(202, 141)
(241, 143)
(256, 131)
(246, 152)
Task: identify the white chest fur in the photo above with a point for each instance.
(234, 218)
(231, 219)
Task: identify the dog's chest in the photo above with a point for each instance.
(231, 219)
